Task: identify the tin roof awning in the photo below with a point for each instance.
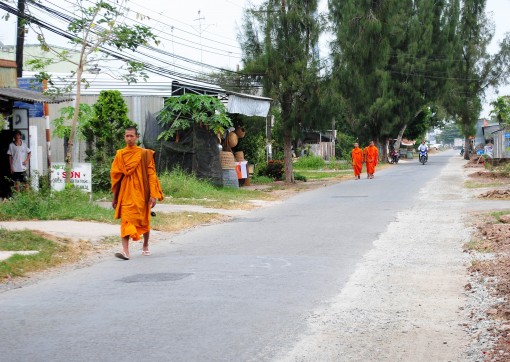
(247, 104)
(30, 96)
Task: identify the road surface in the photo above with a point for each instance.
(364, 270)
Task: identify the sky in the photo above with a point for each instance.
(206, 31)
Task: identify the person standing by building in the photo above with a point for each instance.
(135, 188)
(19, 159)
(371, 159)
(357, 160)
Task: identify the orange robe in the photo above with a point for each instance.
(357, 160)
(371, 158)
(133, 206)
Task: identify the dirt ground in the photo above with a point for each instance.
(492, 239)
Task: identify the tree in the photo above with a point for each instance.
(104, 134)
(383, 54)
(501, 110)
(474, 69)
(279, 43)
(184, 112)
(99, 26)
(361, 54)
(449, 132)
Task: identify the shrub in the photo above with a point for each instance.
(299, 177)
(273, 169)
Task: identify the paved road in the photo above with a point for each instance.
(240, 291)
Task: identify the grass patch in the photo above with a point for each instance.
(185, 189)
(479, 245)
(51, 252)
(470, 184)
(71, 204)
(320, 175)
(497, 214)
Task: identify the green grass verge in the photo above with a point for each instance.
(49, 253)
(320, 175)
(71, 204)
(183, 188)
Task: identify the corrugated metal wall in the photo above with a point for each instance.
(501, 144)
(138, 109)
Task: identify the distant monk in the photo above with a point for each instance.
(357, 160)
(371, 159)
(135, 188)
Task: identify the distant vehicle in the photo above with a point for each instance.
(435, 146)
(458, 143)
(423, 157)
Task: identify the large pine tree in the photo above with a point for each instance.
(387, 55)
(474, 69)
(280, 42)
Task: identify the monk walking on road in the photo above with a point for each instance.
(357, 160)
(371, 159)
(135, 188)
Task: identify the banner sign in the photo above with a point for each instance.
(35, 109)
(81, 176)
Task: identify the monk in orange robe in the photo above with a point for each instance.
(357, 160)
(371, 159)
(136, 188)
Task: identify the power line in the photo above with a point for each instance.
(67, 18)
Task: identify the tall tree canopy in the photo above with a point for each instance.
(280, 43)
(474, 69)
(384, 53)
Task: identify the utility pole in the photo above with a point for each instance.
(200, 31)
(20, 38)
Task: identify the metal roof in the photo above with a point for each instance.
(30, 96)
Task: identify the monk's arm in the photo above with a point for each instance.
(155, 187)
(115, 180)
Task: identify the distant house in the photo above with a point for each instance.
(320, 143)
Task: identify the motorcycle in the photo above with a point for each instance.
(423, 157)
(394, 156)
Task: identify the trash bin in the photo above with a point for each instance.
(409, 154)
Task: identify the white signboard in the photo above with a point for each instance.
(81, 176)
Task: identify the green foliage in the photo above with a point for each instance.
(62, 129)
(448, 133)
(254, 142)
(273, 169)
(182, 187)
(52, 205)
(181, 113)
(19, 265)
(279, 41)
(475, 69)
(104, 133)
(310, 162)
(501, 110)
(344, 145)
(300, 177)
(382, 59)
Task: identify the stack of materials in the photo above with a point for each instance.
(228, 169)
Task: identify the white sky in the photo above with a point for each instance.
(212, 39)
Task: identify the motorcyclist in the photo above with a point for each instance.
(423, 148)
(394, 156)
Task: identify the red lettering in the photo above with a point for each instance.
(74, 174)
